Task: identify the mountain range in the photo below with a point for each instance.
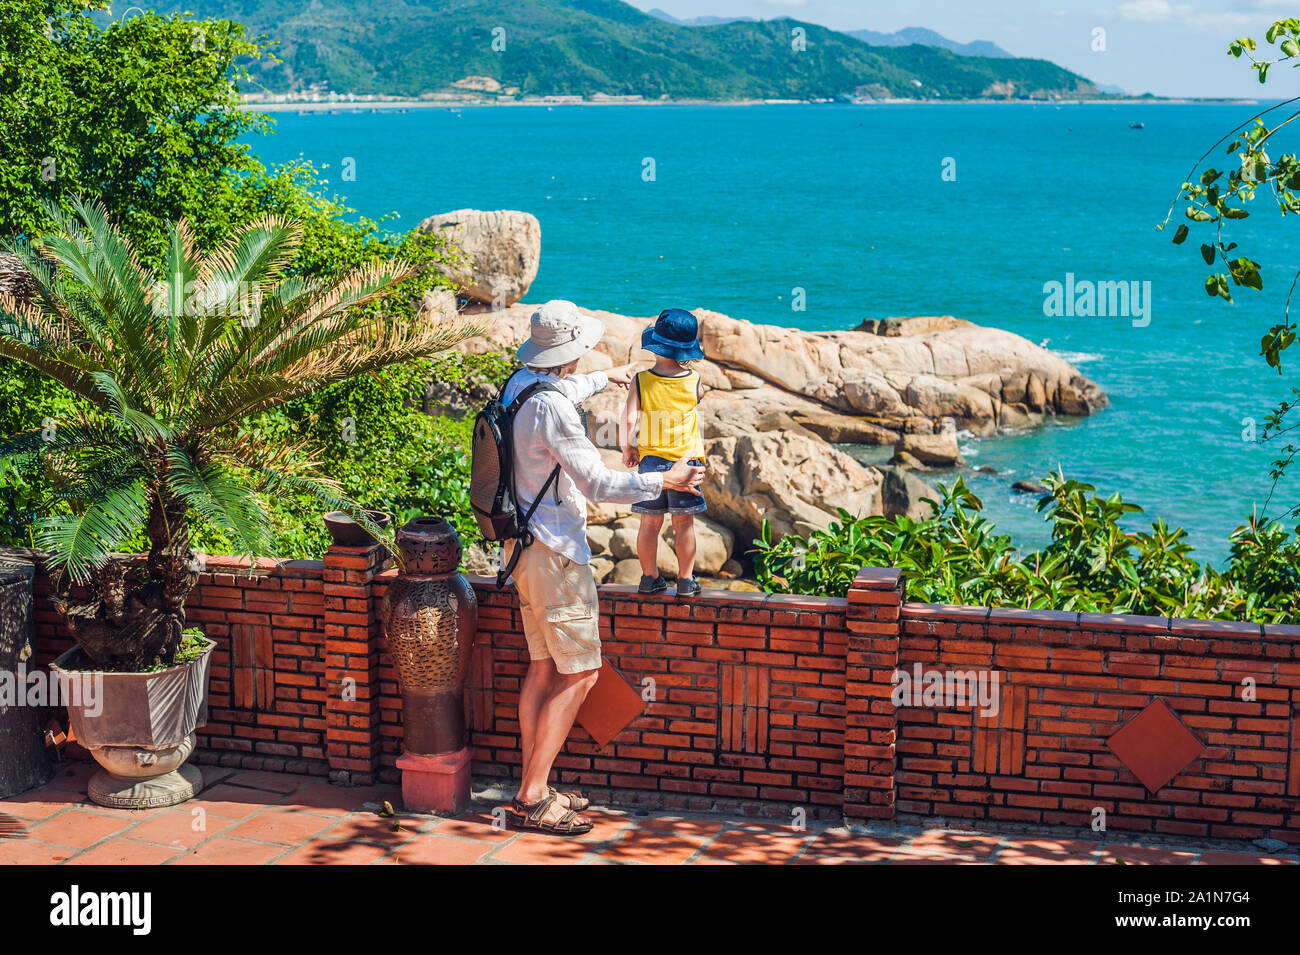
(904, 37)
(910, 35)
(511, 48)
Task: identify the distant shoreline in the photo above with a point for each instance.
(388, 106)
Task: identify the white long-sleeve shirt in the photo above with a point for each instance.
(548, 431)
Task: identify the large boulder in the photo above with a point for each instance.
(504, 248)
(935, 450)
(793, 481)
(902, 492)
(932, 367)
(713, 544)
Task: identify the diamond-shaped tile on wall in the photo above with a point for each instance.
(1155, 745)
(611, 706)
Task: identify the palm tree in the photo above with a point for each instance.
(168, 365)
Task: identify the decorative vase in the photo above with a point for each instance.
(139, 727)
(430, 619)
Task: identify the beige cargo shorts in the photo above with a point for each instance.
(558, 604)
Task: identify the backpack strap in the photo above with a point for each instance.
(525, 537)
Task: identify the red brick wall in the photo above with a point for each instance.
(267, 697)
(782, 699)
(1069, 681)
(749, 697)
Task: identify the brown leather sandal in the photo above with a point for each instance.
(577, 801)
(532, 818)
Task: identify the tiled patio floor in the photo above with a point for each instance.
(273, 818)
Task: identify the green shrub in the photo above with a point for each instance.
(1092, 564)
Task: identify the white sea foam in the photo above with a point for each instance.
(1079, 357)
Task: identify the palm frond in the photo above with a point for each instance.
(84, 542)
(221, 496)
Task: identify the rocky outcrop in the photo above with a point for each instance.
(794, 482)
(902, 492)
(779, 399)
(963, 371)
(503, 248)
(984, 379)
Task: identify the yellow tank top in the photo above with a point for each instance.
(670, 422)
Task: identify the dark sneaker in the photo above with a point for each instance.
(651, 585)
(687, 586)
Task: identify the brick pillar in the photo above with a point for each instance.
(352, 664)
(874, 624)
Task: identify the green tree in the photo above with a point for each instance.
(1216, 198)
(167, 365)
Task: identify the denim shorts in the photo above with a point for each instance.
(668, 501)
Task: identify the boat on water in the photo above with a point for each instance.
(1136, 125)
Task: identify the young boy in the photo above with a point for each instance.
(662, 412)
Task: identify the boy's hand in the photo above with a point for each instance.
(631, 456)
(620, 375)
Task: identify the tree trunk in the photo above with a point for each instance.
(24, 763)
(126, 623)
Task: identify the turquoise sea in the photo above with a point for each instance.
(850, 204)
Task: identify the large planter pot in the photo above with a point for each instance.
(24, 763)
(139, 727)
(430, 617)
(346, 532)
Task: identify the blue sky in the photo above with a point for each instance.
(1167, 47)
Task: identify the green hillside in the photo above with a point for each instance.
(581, 47)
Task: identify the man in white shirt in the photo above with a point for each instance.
(557, 591)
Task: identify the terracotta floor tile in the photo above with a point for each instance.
(21, 851)
(176, 827)
(907, 856)
(1030, 855)
(962, 844)
(377, 830)
(325, 798)
(1143, 855)
(1241, 858)
(473, 825)
(125, 852)
(863, 848)
(433, 849)
(333, 852)
(270, 782)
(537, 849)
(605, 825)
(679, 826)
(40, 803)
(281, 826)
(78, 827)
(1079, 847)
(226, 851)
(653, 846)
(826, 860)
(234, 802)
(755, 846)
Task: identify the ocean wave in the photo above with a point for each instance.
(1079, 357)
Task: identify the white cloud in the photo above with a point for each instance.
(1151, 11)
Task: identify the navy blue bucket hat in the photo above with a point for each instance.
(675, 334)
